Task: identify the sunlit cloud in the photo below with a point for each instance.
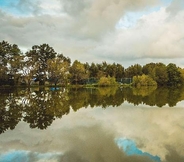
(126, 32)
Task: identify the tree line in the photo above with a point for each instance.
(43, 65)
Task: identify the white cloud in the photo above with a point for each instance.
(175, 7)
(87, 31)
(154, 36)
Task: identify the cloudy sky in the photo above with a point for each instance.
(120, 31)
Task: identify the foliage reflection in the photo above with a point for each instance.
(40, 107)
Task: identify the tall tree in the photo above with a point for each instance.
(58, 69)
(111, 70)
(120, 72)
(93, 69)
(10, 61)
(38, 57)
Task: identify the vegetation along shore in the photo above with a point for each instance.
(43, 66)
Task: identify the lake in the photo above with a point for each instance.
(92, 125)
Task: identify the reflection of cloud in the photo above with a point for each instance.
(173, 155)
(95, 144)
(130, 148)
(90, 133)
(80, 144)
(151, 128)
(26, 156)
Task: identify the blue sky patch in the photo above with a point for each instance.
(130, 148)
(27, 156)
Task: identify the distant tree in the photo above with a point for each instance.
(78, 72)
(107, 81)
(101, 70)
(133, 70)
(149, 69)
(38, 57)
(93, 70)
(161, 76)
(143, 80)
(120, 72)
(111, 70)
(174, 75)
(181, 75)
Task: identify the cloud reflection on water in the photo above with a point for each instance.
(82, 144)
(88, 135)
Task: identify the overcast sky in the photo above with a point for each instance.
(120, 31)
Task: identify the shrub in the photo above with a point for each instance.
(143, 80)
(107, 81)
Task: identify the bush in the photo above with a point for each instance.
(143, 80)
(107, 81)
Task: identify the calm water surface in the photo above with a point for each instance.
(92, 125)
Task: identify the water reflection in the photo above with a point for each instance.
(80, 144)
(80, 125)
(40, 108)
(99, 135)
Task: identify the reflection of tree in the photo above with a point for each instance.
(103, 97)
(43, 107)
(136, 99)
(39, 107)
(10, 111)
(173, 96)
(59, 102)
(161, 96)
(144, 91)
(78, 98)
(109, 97)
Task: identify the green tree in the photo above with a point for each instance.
(161, 76)
(181, 75)
(111, 70)
(174, 75)
(38, 57)
(3, 74)
(133, 70)
(143, 80)
(107, 81)
(11, 59)
(58, 69)
(93, 70)
(149, 69)
(101, 70)
(78, 72)
(29, 71)
(120, 73)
